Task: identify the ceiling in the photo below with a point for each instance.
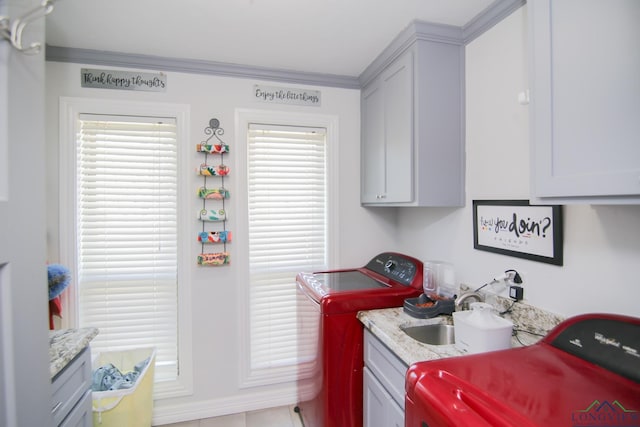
(338, 37)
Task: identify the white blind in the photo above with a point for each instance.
(287, 211)
(127, 235)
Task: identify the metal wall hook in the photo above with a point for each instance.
(12, 29)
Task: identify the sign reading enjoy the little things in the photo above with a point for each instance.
(123, 80)
(282, 95)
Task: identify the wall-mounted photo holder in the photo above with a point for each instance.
(518, 229)
(216, 195)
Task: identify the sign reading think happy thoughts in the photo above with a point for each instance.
(123, 80)
(283, 95)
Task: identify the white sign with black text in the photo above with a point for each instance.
(123, 80)
(283, 95)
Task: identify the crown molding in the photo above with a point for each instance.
(427, 31)
(489, 17)
(417, 30)
(193, 66)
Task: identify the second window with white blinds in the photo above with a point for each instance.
(288, 231)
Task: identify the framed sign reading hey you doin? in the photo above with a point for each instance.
(516, 228)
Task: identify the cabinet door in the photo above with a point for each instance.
(70, 386)
(398, 115)
(373, 186)
(82, 414)
(585, 91)
(380, 410)
(387, 135)
(396, 416)
(385, 367)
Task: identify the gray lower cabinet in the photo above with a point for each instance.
(585, 114)
(71, 403)
(412, 147)
(380, 409)
(383, 385)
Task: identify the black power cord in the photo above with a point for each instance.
(516, 331)
(508, 309)
(516, 276)
(486, 284)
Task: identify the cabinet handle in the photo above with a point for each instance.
(381, 196)
(55, 408)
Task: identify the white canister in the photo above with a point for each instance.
(481, 329)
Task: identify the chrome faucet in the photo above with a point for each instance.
(463, 304)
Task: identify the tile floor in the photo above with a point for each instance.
(274, 417)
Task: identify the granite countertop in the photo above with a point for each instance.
(386, 325)
(65, 344)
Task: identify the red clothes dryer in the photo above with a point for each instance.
(336, 297)
(584, 373)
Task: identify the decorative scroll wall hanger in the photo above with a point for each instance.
(12, 29)
(216, 194)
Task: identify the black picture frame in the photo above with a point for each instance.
(517, 228)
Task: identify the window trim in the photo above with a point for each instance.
(70, 109)
(243, 117)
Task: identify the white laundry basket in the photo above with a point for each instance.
(131, 407)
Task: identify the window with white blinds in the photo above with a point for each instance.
(126, 219)
(288, 229)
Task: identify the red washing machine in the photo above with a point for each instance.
(584, 373)
(336, 297)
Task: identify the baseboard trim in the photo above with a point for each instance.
(165, 412)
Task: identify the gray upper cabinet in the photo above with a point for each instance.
(585, 109)
(412, 149)
(387, 105)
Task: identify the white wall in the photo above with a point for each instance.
(215, 291)
(25, 390)
(601, 243)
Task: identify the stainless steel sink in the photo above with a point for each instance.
(434, 334)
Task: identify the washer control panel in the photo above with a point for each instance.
(396, 267)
